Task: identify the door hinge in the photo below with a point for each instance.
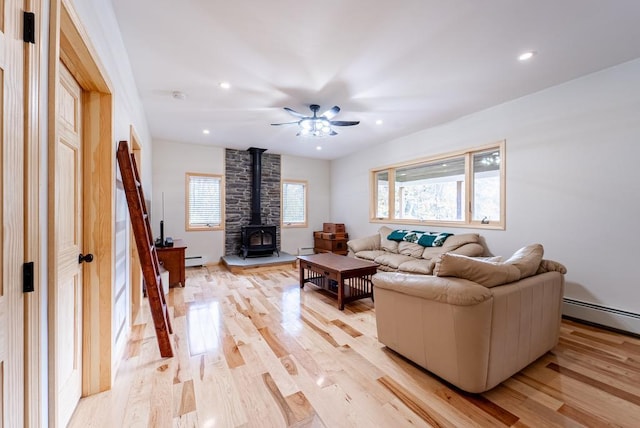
(29, 30)
(27, 277)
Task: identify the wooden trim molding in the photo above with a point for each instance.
(70, 44)
(33, 57)
(304, 224)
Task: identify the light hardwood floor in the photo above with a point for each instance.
(253, 350)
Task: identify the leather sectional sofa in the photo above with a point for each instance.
(409, 257)
(473, 322)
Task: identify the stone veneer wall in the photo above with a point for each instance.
(238, 195)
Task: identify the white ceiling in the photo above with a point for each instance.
(411, 63)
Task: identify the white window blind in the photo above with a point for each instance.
(294, 203)
(204, 201)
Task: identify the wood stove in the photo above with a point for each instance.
(258, 240)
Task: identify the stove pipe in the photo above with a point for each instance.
(256, 183)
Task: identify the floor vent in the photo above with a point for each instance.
(610, 317)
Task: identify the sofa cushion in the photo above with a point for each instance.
(483, 272)
(456, 241)
(367, 243)
(410, 249)
(527, 259)
(454, 291)
(386, 244)
(392, 260)
(369, 254)
(421, 266)
(431, 253)
(471, 249)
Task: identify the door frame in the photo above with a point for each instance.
(34, 57)
(70, 44)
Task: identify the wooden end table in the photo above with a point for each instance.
(346, 277)
(172, 258)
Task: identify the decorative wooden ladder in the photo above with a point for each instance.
(146, 248)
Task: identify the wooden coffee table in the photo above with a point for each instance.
(347, 278)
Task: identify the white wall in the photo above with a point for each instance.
(98, 20)
(317, 174)
(573, 182)
(171, 161)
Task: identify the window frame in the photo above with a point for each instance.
(467, 221)
(305, 184)
(187, 197)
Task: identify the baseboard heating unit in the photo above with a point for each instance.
(614, 318)
(193, 261)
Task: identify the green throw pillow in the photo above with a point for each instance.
(426, 239)
(397, 235)
(439, 241)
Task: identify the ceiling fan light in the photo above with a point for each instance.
(526, 55)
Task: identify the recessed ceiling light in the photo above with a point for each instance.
(526, 55)
(379, 122)
(205, 131)
(225, 85)
(177, 95)
(318, 148)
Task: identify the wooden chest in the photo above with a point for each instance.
(338, 246)
(333, 227)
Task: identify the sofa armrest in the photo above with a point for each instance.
(526, 320)
(366, 243)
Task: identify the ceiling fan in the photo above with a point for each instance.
(317, 125)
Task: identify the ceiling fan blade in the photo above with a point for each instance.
(284, 123)
(343, 123)
(295, 113)
(329, 114)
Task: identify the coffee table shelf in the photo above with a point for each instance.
(347, 278)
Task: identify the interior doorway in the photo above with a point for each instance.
(70, 47)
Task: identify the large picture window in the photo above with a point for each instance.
(203, 201)
(464, 189)
(294, 203)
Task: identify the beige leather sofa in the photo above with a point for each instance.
(474, 323)
(409, 257)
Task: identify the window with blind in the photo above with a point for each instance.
(466, 189)
(294, 203)
(203, 201)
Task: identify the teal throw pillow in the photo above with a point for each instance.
(439, 240)
(397, 235)
(426, 240)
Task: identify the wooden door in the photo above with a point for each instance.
(12, 365)
(67, 332)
